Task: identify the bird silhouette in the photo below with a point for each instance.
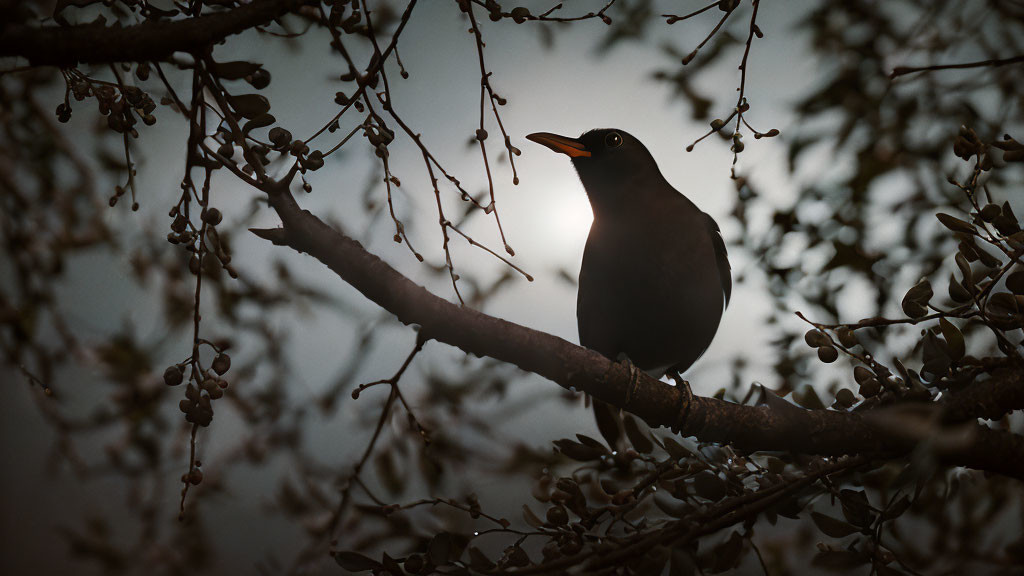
(655, 278)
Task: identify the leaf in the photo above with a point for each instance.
(1006, 223)
(708, 485)
(440, 549)
(916, 299)
(258, 122)
(856, 508)
(591, 442)
(675, 449)
(250, 105)
(1015, 282)
(774, 465)
(671, 506)
(954, 339)
(955, 224)
(844, 399)
(921, 292)
(580, 452)
(896, 509)
(816, 338)
(807, 397)
(934, 355)
(914, 310)
(62, 4)
(637, 437)
(965, 269)
(957, 292)
(838, 560)
(862, 374)
(833, 527)
(478, 561)
(608, 419)
(355, 562)
(234, 70)
(391, 566)
(727, 555)
(531, 518)
(680, 563)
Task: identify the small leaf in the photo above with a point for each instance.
(591, 442)
(916, 299)
(807, 397)
(954, 339)
(681, 563)
(934, 354)
(531, 518)
(957, 292)
(921, 292)
(440, 549)
(637, 437)
(478, 561)
(258, 122)
(233, 70)
(862, 374)
(728, 554)
(355, 562)
(955, 224)
(896, 509)
(844, 399)
(833, 527)
(675, 449)
(856, 508)
(1015, 282)
(816, 338)
(965, 270)
(578, 451)
(828, 354)
(708, 485)
(390, 565)
(608, 419)
(838, 560)
(250, 105)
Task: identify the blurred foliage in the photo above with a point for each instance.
(900, 149)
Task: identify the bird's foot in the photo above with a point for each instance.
(685, 399)
(680, 382)
(634, 377)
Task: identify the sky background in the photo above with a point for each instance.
(568, 88)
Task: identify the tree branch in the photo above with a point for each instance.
(775, 425)
(93, 44)
(994, 63)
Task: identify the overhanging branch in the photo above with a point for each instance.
(773, 426)
(93, 44)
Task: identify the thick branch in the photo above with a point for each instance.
(773, 426)
(68, 45)
(989, 399)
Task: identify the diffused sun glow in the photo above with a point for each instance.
(569, 216)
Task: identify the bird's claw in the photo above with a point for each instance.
(685, 400)
(634, 378)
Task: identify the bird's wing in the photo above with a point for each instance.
(595, 316)
(721, 257)
(588, 308)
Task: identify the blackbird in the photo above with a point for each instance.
(655, 278)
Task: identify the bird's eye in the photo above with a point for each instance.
(613, 140)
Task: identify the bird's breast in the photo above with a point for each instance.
(649, 288)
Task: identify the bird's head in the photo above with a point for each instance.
(612, 164)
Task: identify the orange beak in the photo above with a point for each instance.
(568, 146)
